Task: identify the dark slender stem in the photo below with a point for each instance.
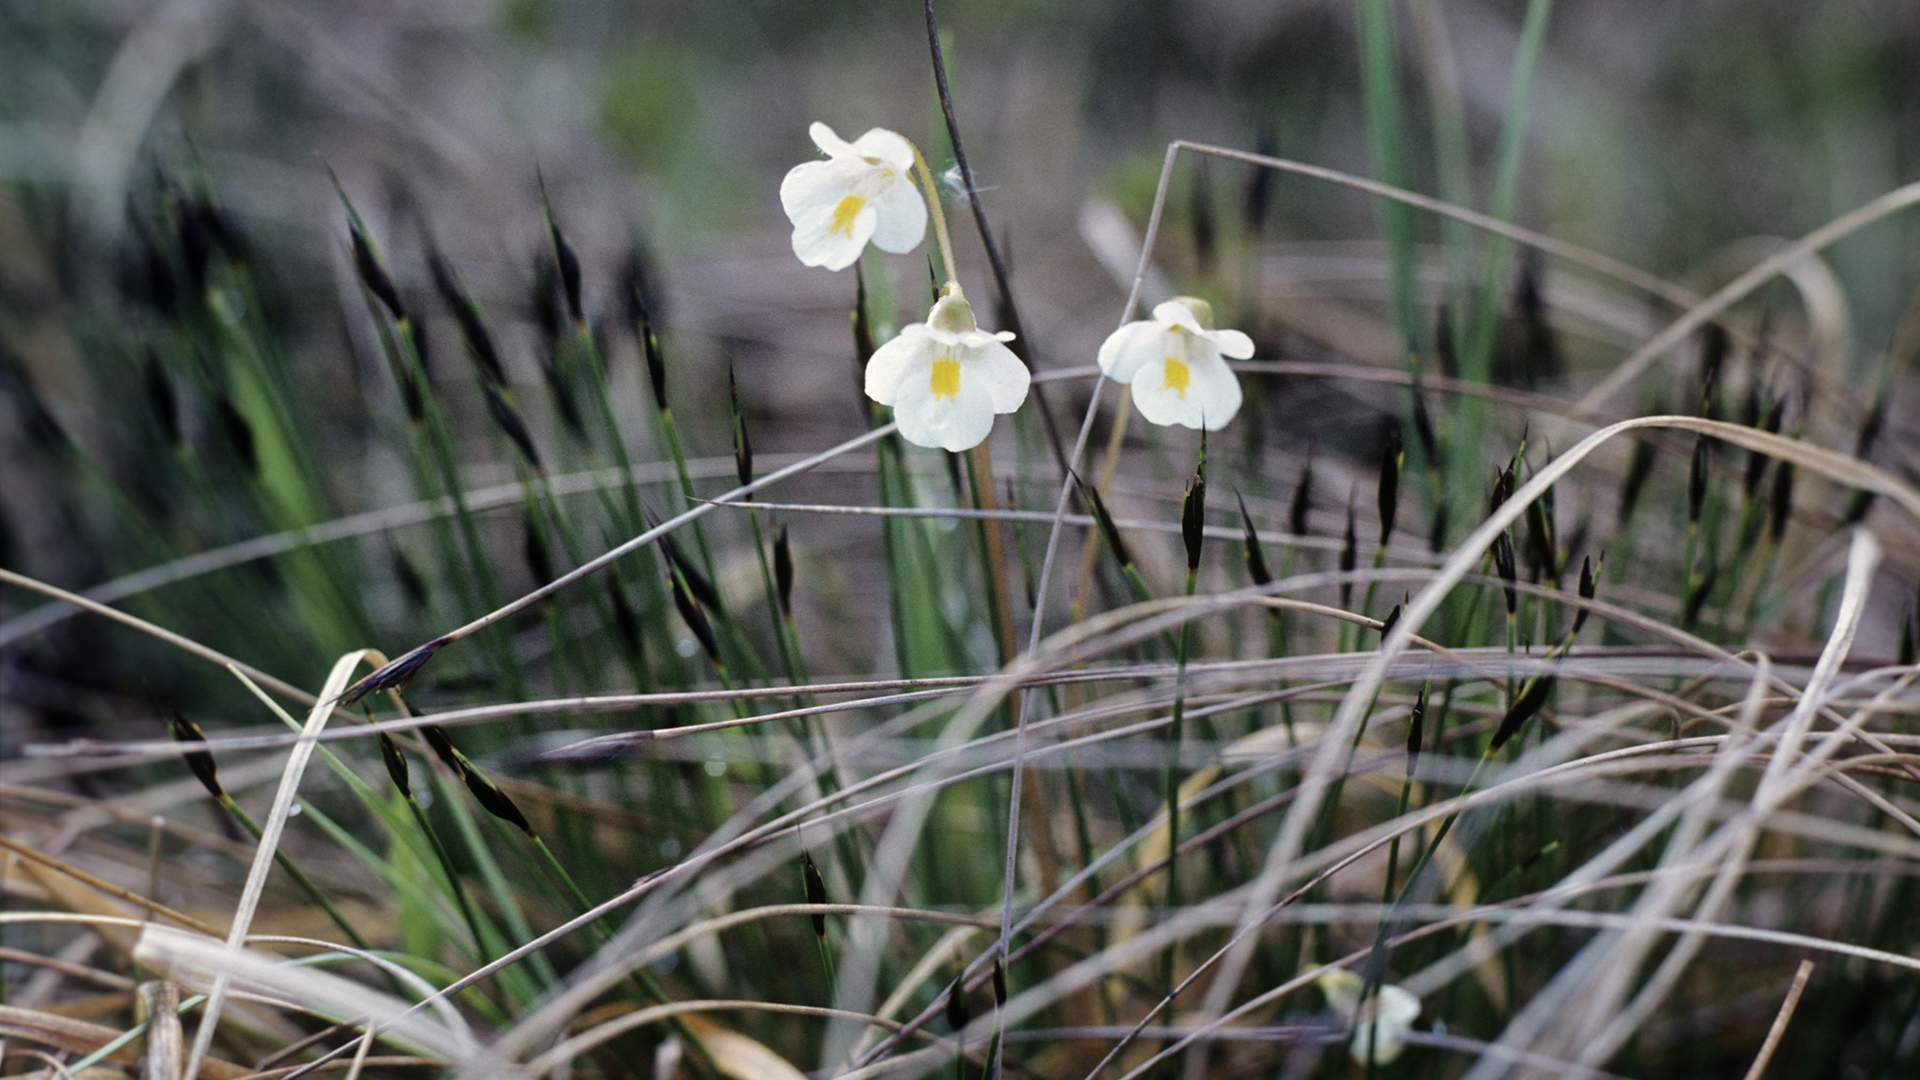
(999, 266)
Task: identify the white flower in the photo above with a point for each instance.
(1174, 363)
(946, 377)
(863, 191)
(1389, 1016)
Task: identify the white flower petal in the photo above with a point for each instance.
(832, 221)
(1175, 313)
(1006, 378)
(1216, 389)
(1131, 347)
(1232, 343)
(903, 217)
(1398, 1005)
(1190, 392)
(891, 362)
(949, 409)
(887, 146)
(829, 143)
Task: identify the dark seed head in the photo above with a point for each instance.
(1714, 346)
(1108, 530)
(1387, 624)
(373, 273)
(565, 261)
(1697, 481)
(626, 621)
(1503, 564)
(443, 748)
(701, 588)
(742, 445)
(656, 358)
(1302, 500)
(1639, 467)
(999, 984)
(1589, 584)
(816, 886)
(396, 765)
(1525, 707)
(958, 1014)
(783, 570)
(160, 400)
(1349, 557)
(466, 314)
(200, 761)
(1393, 458)
(1780, 501)
(1259, 184)
(539, 556)
(493, 800)
(396, 674)
(239, 433)
(1193, 518)
(1416, 731)
(695, 619)
(512, 424)
(1437, 535)
(1256, 558)
(1423, 430)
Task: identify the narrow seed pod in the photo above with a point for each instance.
(958, 1014)
(1444, 354)
(545, 301)
(1302, 500)
(1780, 501)
(656, 358)
(640, 291)
(1200, 211)
(1392, 459)
(1639, 467)
(534, 547)
(238, 432)
(161, 401)
(373, 273)
(1392, 620)
(1589, 584)
(1423, 430)
(566, 263)
(1259, 184)
(1108, 530)
(702, 589)
(1697, 481)
(412, 583)
(493, 800)
(396, 765)
(1541, 560)
(512, 424)
(443, 748)
(783, 571)
(396, 674)
(1349, 557)
(1256, 558)
(1416, 730)
(695, 619)
(1503, 564)
(816, 887)
(466, 314)
(200, 761)
(999, 984)
(1525, 707)
(742, 446)
(1193, 517)
(626, 621)
(1714, 346)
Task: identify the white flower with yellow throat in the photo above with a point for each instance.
(863, 191)
(946, 378)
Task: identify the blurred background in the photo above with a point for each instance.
(190, 358)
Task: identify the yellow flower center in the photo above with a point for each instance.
(946, 378)
(1179, 377)
(843, 214)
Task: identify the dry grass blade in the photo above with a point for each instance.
(1781, 1020)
